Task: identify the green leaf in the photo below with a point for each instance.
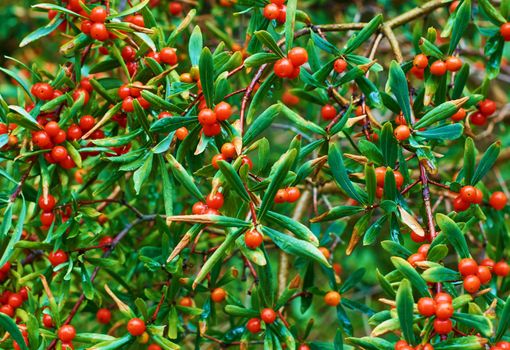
(269, 41)
(260, 58)
(460, 81)
(42, 31)
(371, 343)
(295, 246)
(487, 162)
(363, 35)
(262, 122)
(397, 82)
(441, 112)
(371, 151)
(389, 145)
(277, 179)
(117, 141)
(446, 132)
(172, 123)
(290, 22)
(23, 118)
(301, 123)
(168, 188)
(184, 177)
(491, 12)
(336, 163)
(481, 323)
(206, 68)
(7, 324)
(454, 235)
(338, 213)
(195, 46)
(9, 250)
(470, 342)
(429, 49)
(234, 179)
(405, 310)
(462, 20)
(440, 274)
(142, 174)
(293, 226)
(504, 320)
(374, 230)
(469, 160)
(410, 273)
(161, 103)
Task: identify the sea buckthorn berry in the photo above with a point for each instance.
(477, 118)
(281, 196)
(459, 115)
(215, 159)
(340, 65)
(332, 298)
(99, 32)
(478, 196)
(401, 345)
(60, 137)
(218, 295)
(66, 333)
(426, 306)
(468, 194)
(207, 117)
(443, 297)
(453, 6)
(501, 268)
(223, 111)
(328, 112)
(59, 153)
(487, 262)
(124, 91)
(283, 68)
(484, 274)
(128, 53)
(47, 218)
(127, 104)
(424, 249)
(253, 239)
(87, 122)
(186, 302)
(271, 11)
(293, 194)
(453, 64)
(198, 208)
(443, 326)
(298, 56)
(175, 8)
(154, 347)
(85, 84)
(417, 72)
(98, 14)
(228, 150)
(268, 315)
(168, 55)
(43, 91)
(15, 300)
(420, 61)
(5, 269)
(246, 160)
(215, 201)
(48, 203)
(136, 327)
(498, 200)
(57, 257)
(399, 178)
(278, 2)
(487, 107)
(438, 68)
(282, 14)
(503, 345)
(74, 132)
(402, 132)
(211, 129)
(52, 128)
(7, 310)
(289, 99)
(415, 258)
(418, 239)
(459, 204)
(472, 284)
(504, 30)
(468, 266)
(103, 316)
(444, 311)
(47, 321)
(253, 325)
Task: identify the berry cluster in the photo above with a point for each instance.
(128, 93)
(289, 195)
(211, 119)
(276, 10)
(212, 205)
(94, 26)
(290, 66)
(475, 275)
(441, 307)
(437, 68)
(486, 108)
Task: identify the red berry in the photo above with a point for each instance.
(223, 111)
(268, 315)
(181, 133)
(127, 104)
(175, 8)
(228, 150)
(505, 31)
(154, 347)
(487, 107)
(7, 310)
(136, 327)
(15, 300)
(186, 302)
(253, 325)
(453, 64)
(468, 266)
(99, 32)
(78, 93)
(459, 204)
(47, 321)
(332, 298)
(472, 283)
(498, 200)
(85, 26)
(128, 53)
(444, 311)
(501, 268)
(283, 68)
(57, 257)
(293, 194)
(442, 326)
(271, 11)
(253, 239)
(86, 85)
(87, 122)
(487, 262)
(218, 295)
(103, 316)
(47, 204)
(415, 258)
(211, 129)
(459, 115)
(74, 132)
(340, 65)
(438, 68)
(59, 153)
(402, 132)
(124, 91)
(43, 91)
(420, 61)
(281, 196)
(328, 112)
(477, 118)
(52, 128)
(426, 306)
(484, 274)
(168, 55)
(215, 159)
(298, 56)
(215, 201)
(207, 117)
(47, 218)
(98, 14)
(66, 333)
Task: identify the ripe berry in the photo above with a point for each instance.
(268, 315)
(128, 53)
(282, 14)
(340, 65)
(281, 196)
(228, 150)
(328, 112)
(168, 55)
(468, 193)
(211, 129)
(246, 160)
(66, 333)
(487, 262)
(59, 153)
(87, 122)
(47, 218)
(98, 14)
(453, 6)
(443, 297)
(5, 269)
(415, 258)
(207, 117)
(215, 159)
(186, 301)
(43, 91)
(85, 26)
(60, 137)
(498, 200)
(271, 11)
(7, 310)
(293, 194)
(103, 316)
(478, 196)
(420, 61)
(52, 128)
(57, 257)
(218, 295)
(477, 118)
(505, 31)
(74, 132)
(418, 239)
(47, 204)
(298, 56)
(99, 32)
(127, 104)
(426, 307)
(47, 321)
(215, 201)
(438, 68)
(253, 325)
(175, 8)
(136, 327)
(459, 115)
(443, 326)
(181, 133)
(444, 311)
(484, 274)
(223, 111)
(468, 266)
(325, 251)
(401, 345)
(332, 298)
(402, 132)
(15, 300)
(459, 204)
(253, 239)
(283, 68)
(487, 107)
(501, 268)
(472, 284)
(453, 64)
